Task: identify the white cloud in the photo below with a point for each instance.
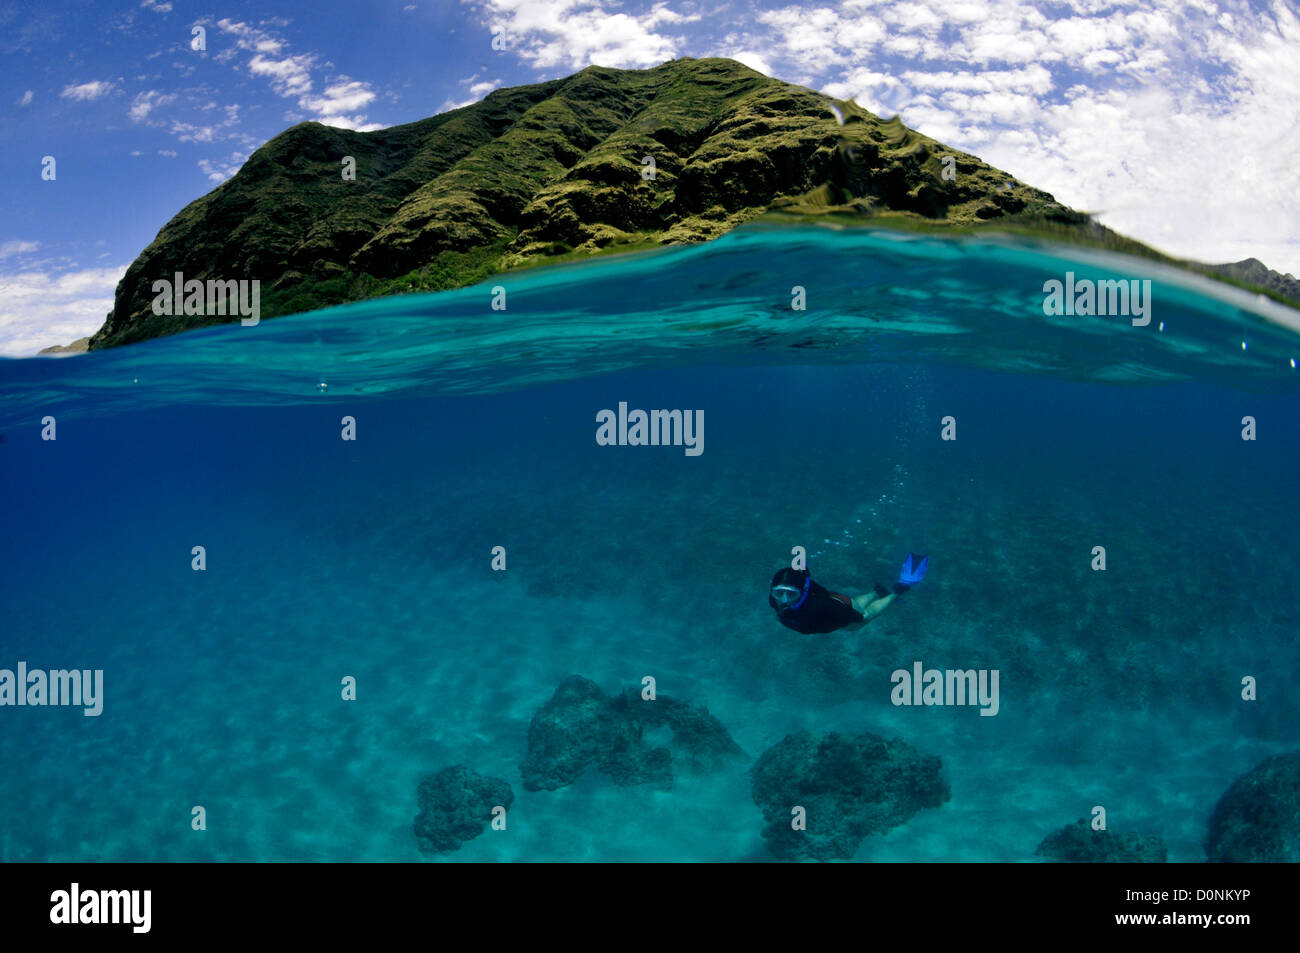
(9, 249)
(1032, 79)
(1080, 37)
(144, 103)
(449, 104)
(357, 123)
(341, 98)
(198, 132)
(41, 308)
(156, 6)
(578, 33)
(171, 153)
(290, 75)
(811, 38)
(972, 11)
(1008, 42)
(477, 92)
(753, 61)
(25, 99)
(87, 91)
(1175, 123)
(1196, 171)
(914, 17)
(220, 170)
(189, 132)
(881, 93)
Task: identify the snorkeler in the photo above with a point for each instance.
(804, 606)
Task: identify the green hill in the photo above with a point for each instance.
(555, 171)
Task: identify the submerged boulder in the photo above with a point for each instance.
(455, 805)
(1258, 818)
(849, 786)
(568, 733)
(696, 738)
(1078, 843)
(632, 740)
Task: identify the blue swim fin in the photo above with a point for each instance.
(913, 571)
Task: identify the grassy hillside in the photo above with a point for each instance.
(541, 172)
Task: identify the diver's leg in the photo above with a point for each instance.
(871, 604)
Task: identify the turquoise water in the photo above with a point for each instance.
(476, 428)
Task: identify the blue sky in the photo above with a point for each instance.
(1178, 122)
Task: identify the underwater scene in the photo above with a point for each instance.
(496, 574)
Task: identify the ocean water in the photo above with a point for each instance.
(476, 428)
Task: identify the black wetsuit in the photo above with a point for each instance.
(818, 609)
